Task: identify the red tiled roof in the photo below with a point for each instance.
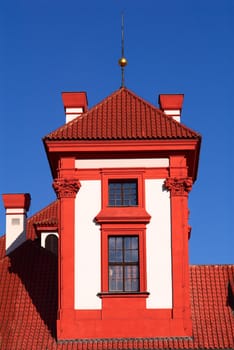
(123, 116)
(46, 217)
(28, 303)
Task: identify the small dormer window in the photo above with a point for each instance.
(51, 243)
(123, 193)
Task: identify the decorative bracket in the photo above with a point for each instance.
(66, 188)
(179, 186)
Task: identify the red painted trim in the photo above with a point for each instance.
(180, 185)
(124, 149)
(123, 146)
(130, 320)
(147, 173)
(45, 228)
(66, 187)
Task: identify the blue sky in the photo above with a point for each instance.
(172, 47)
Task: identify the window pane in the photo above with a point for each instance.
(112, 242)
(131, 256)
(115, 278)
(115, 249)
(119, 242)
(122, 193)
(127, 242)
(131, 278)
(123, 263)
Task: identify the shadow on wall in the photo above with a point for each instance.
(37, 269)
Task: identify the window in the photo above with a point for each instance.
(51, 243)
(122, 193)
(123, 263)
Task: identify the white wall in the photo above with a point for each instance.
(122, 163)
(158, 245)
(15, 228)
(87, 246)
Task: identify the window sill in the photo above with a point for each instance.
(123, 295)
(123, 214)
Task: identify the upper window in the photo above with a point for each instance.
(123, 263)
(122, 193)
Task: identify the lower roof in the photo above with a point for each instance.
(28, 306)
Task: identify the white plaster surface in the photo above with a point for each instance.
(15, 228)
(158, 246)
(172, 111)
(74, 110)
(122, 163)
(87, 246)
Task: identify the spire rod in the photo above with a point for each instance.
(122, 61)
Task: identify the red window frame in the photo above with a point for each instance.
(123, 175)
(124, 267)
(125, 230)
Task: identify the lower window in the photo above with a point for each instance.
(123, 263)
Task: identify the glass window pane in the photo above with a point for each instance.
(127, 242)
(123, 263)
(134, 242)
(134, 256)
(119, 256)
(115, 278)
(111, 255)
(123, 193)
(131, 256)
(111, 242)
(119, 242)
(131, 278)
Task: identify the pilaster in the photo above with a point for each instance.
(66, 187)
(179, 185)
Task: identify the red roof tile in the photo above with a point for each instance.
(46, 217)
(28, 303)
(123, 116)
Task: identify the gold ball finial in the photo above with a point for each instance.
(123, 62)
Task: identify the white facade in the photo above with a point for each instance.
(87, 246)
(122, 163)
(88, 243)
(158, 246)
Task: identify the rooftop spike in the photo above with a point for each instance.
(122, 61)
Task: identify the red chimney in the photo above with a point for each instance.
(171, 105)
(75, 103)
(16, 205)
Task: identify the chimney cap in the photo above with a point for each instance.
(75, 99)
(170, 101)
(17, 200)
